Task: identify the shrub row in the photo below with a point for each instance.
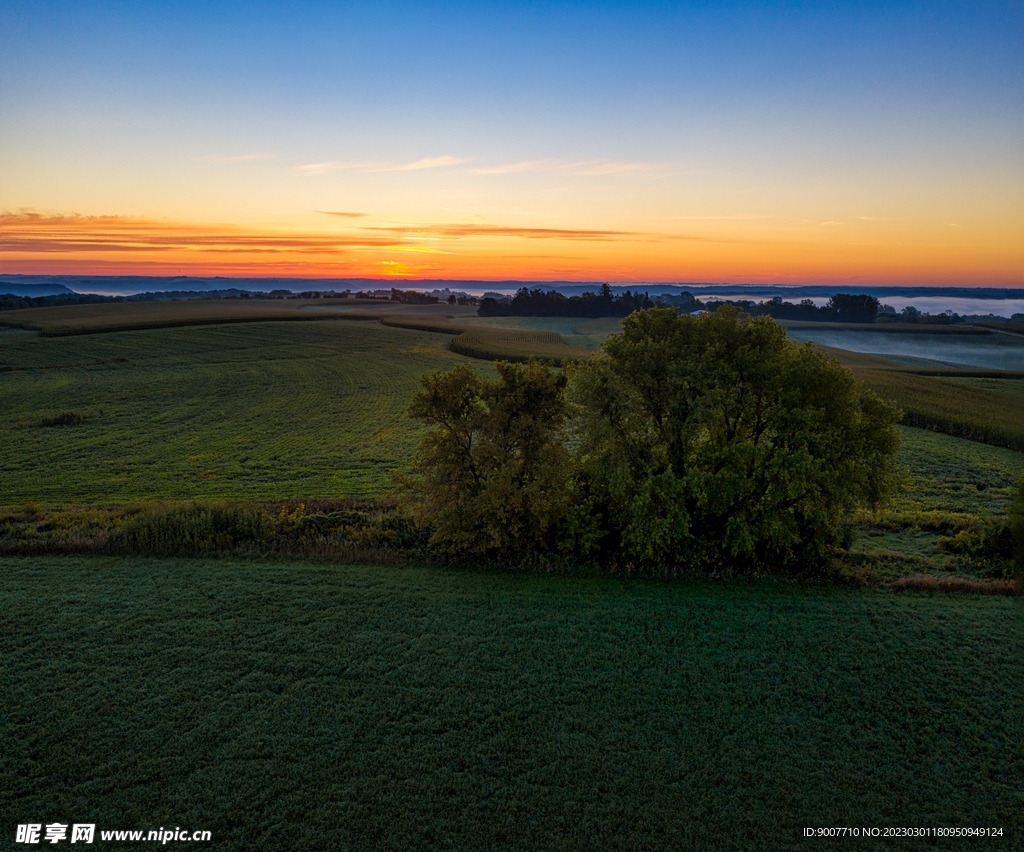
(367, 530)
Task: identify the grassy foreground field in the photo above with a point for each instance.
(297, 706)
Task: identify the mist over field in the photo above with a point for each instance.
(995, 351)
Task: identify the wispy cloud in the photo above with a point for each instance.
(373, 166)
(477, 230)
(739, 218)
(338, 165)
(597, 167)
(341, 214)
(579, 167)
(877, 219)
(35, 233)
(582, 168)
(238, 158)
(426, 163)
(27, 234)
(511, 168)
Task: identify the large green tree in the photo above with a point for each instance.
(705, 443)
(491, 474)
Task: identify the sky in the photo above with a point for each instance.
(683, 142)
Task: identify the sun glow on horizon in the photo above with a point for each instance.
(362, 246)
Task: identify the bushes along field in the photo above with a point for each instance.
(366, 530)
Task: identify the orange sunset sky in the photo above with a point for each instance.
(668, 143)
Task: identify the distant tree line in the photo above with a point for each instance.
(696, 445)
(550, 303)
(538, 302)
(9, 302)
(411, 297)
(842, 307)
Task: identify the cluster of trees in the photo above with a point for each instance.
(551, 303)
(842, 307)
(411, 297)
(695, 445)
(10, 302)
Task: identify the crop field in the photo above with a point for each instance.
(1013, 326)
(124, 316)
(949, 485)
(586, 334)
(255, 411)
(303, 706)
(980, 405)
(515, 344)
(108, 316)
(947, 474)
(992, 412)
(971, 347)
(276, 410)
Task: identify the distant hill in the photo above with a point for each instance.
(130, 285)
(9, 287)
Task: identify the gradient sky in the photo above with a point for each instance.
(824, 143)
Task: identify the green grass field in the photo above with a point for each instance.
(303, 706)
(231, 411)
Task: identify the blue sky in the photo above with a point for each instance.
(635, 119)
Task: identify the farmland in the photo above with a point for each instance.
(264, 410)
(269, 410)
(296, 705)
(284, 410)
(319, 704)
(124, 316)
(978, 404)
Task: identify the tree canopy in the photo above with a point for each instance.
(714, 440)
(489, 476)
(693, 444)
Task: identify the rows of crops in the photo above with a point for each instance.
(439, 324)
(578, 333)
(993, 414)
(511, 344)
(980, 405)
(123, 316)
(269, 410)
(126, 316)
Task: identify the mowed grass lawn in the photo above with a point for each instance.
(255, 411)
(303, 706)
